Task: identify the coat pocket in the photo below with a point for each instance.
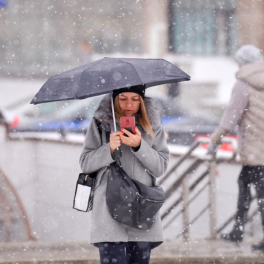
(153, 178)
(99, 177)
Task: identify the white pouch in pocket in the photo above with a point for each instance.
(82, 197)
(84, 192)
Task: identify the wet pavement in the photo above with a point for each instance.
(179, 251)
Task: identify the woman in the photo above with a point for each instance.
(245, 112)
(144, 155)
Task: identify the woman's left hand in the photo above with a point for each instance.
(132, 140)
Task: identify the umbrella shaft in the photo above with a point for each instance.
(117, 153)
(113, 110)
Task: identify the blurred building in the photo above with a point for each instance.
(40, 39)
(44, 37)
(212, 27)
(203, 27)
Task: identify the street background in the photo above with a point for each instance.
(39, 39)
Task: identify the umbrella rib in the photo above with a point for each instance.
(95, 64)
(133, 68)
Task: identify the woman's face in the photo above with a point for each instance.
(129, 103)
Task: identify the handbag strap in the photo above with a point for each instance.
(107, 130)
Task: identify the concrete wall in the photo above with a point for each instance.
(44, 175)
(155, 38)
(251, 22)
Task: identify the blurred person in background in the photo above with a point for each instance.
(85, 51)
(245, 112)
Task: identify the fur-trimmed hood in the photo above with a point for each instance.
(104, 112)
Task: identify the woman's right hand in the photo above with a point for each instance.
(115, 140)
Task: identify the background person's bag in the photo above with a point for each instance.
(130, 202)
(84, 192)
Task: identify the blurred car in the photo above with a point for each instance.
(70, 115)
(75, 116)
(187, 128)
(12, 114)
(182, 127)
(7, 114)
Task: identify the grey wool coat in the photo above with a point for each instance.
(150, 160)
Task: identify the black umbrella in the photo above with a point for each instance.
(105, 75)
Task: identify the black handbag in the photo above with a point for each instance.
(130, 202)
(84, 192)
(85, 186)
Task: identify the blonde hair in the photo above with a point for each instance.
(142, 115)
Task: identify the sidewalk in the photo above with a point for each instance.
(170, 252)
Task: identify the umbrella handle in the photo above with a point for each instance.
(117, 154)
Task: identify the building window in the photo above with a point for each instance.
(203, 27)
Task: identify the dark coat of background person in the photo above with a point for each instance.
(150, 160)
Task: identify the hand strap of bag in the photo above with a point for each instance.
(107, 129)
(117, 153)
(99, 126)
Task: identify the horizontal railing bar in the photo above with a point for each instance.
(179, 162)
(192, 187)
(229, 220)
(195, 219)
(196, 195)
(178, 182)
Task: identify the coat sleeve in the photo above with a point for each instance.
(94, 155)
(234, 112)
(237, 105)
(155, 158)
(218, 134)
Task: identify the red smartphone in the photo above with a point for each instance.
(128, 123)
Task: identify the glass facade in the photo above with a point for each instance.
(203, 27)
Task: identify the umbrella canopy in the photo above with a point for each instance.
(108, 74)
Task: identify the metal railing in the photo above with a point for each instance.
(13, 218)
(182, 183)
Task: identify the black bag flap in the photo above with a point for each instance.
(150, 192)
(85, 179)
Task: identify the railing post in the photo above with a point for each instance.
(6, 131)
(185, 199)
(212, 195)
